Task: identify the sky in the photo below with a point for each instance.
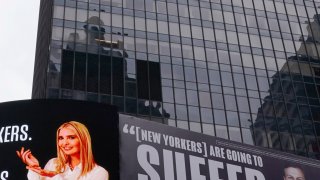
(18, 30)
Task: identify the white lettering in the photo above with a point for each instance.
(143, 152)
(7, 134)
(174, 166)
(195, 168)
(217, 152)
(184, 144)
(1, 131)
(257, 161)
(168, 165)
(252, 174)
(213, 169)
(180, 166)
(239, 156)
(4, 175)
(13, 133)
(150, 136)
(232, 171)
(24, 130)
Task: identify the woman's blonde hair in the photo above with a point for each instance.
(86, 155)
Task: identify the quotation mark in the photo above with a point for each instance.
(127, 129)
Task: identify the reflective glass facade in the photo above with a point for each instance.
(244, 70)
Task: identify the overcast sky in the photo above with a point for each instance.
(18, 29)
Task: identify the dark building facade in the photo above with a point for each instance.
(244, 70)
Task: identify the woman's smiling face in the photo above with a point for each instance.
(69, 142)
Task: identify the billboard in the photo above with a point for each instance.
(151, 151)
(49, 138)
(37, 135)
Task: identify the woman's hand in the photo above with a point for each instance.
(28, 158)
(42, 172)
(33, 164)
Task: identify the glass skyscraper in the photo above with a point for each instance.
(244, 70)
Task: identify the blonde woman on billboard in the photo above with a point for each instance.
(74, 157)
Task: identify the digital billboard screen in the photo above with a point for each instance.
(58, 139)
(151, 151)
(65, 139)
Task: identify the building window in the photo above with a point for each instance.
(149, 81)
(316, 71)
